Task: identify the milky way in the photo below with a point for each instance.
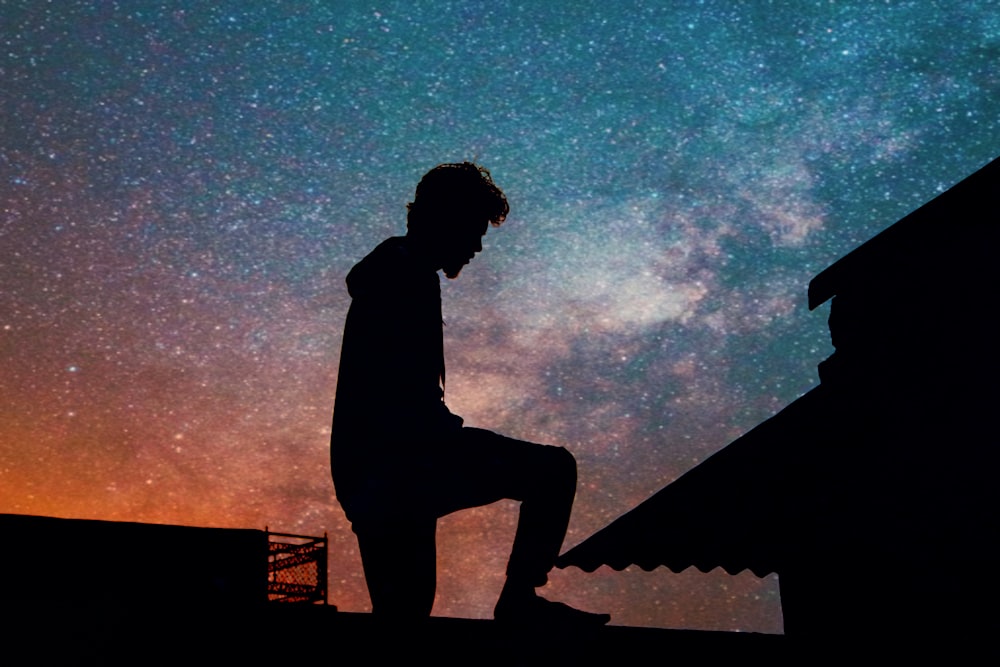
(185, 185)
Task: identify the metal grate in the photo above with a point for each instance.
(296, 568)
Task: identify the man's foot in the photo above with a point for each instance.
(535, 610)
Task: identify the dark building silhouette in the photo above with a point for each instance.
(81, 563)
(84, 563)
(78, 591)
(874, 496)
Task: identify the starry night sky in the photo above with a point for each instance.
(184, 186)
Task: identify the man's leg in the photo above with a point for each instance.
(479, 467)
(546, 505)
(400, 565)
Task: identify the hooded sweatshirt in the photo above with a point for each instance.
(390, 397)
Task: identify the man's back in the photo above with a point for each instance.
(389, 396)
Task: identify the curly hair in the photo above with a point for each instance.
(462, 187)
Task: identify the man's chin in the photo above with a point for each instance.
(453, 271)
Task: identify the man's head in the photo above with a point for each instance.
(453, 207)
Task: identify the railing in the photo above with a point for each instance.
(296, 568)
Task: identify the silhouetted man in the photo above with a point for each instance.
(400, 458)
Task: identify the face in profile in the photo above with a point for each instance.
(460, 246)
(454, 206)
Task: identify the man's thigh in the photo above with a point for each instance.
(478, 467)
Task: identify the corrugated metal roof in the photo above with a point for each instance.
(732, 511)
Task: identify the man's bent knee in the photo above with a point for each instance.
(561, 464)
